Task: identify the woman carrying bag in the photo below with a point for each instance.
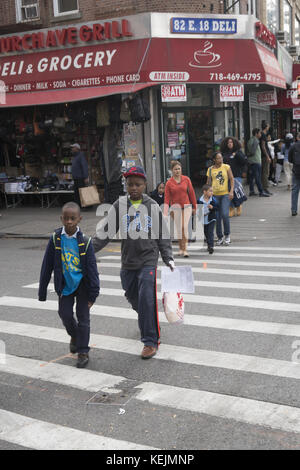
(235, 158)
(180, 192)
(220, 177)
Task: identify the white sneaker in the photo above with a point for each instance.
(220, 241)
(227, 240)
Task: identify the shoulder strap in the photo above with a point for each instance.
(56, 240)
(85, 244)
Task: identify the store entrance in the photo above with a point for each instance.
(200, 143)
(192, 135)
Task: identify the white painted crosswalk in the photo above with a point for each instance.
(221, 290)
(213, 300)
(41, 435)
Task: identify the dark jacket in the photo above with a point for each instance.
(212, 212)
(160, 199)
(52, 262)
(236, 162)
(80, 169)
(294, 157)
(143, 232)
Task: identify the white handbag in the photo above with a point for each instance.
(173, 307)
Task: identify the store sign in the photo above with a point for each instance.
(266, 98)
(173, 93)
(231, 93)
(73, 68)
(203, 26)
(65, 36)
(163, 60)
(169, 76)
(264, 35)
(296, 113)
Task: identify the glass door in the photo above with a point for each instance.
(200, 143)
(175, 145)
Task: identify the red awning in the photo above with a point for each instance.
(68, 95)
(215, 61)
(83, 73)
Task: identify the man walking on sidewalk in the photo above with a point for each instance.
(80, 171)
(265, 158)
(254, 160)
(294, 158)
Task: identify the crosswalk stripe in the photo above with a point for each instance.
(223, 323)
(215, 359)
(238, 272)
(195, 247)
(214, 260)
(275, 416)
(211, 300)
(61, 374)
(41, 435)
(295, 256)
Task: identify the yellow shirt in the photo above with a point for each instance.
(219, 179)
(136, 204)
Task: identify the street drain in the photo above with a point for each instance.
(115, 397)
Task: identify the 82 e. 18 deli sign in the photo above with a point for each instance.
(203, 26)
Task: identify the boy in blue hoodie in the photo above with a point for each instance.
(71, 256)
(210, 206)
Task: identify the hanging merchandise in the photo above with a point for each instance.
(114, 108)
(103, 114)
(139, 109)
(125, 115)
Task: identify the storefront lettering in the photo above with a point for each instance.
(263, 34)
(55, 63)
(66, 36)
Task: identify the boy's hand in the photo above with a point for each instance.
(210, 206)
(171, 265)
(90, 304)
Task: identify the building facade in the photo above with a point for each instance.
(134, 82)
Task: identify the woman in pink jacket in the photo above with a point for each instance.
(179, 192)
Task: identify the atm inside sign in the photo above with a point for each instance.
(173, 93)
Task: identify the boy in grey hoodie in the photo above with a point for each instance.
(144, 234)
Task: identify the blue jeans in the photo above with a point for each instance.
(209, 234)
(255, 175)
(80, 329)
(140, 291)
(223, 215)
(295, 192)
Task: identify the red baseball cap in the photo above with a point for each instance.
(136, 171)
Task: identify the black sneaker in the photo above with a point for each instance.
(252, 193)
(268, 192)
(210, 250)
(294, 213)
(264, 194)
(83, 359)
(73, 347)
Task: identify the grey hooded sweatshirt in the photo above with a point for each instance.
(143, 232)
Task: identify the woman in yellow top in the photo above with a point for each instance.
(220, 177)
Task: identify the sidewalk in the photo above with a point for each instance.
(262, 219)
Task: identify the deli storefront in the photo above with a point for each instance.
(134, 90)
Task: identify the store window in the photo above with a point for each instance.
(64, 7)
(233, 7)
(27, 10)
(297, 31)
(287, 17)
(272, 7)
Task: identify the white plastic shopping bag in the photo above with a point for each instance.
(173, 307)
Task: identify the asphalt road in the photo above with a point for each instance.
(226, 379)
